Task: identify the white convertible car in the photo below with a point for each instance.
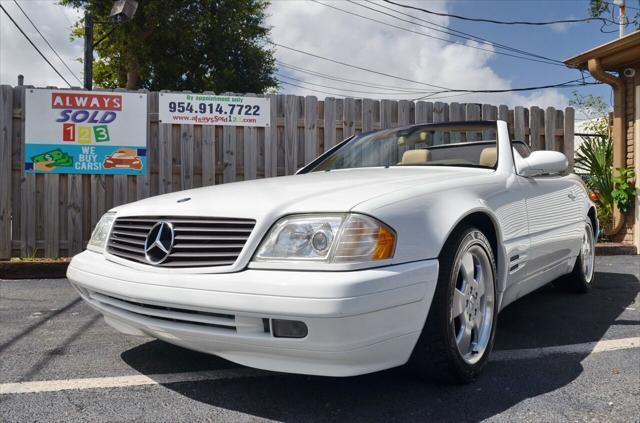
(395, 247)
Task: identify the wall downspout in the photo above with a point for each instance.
(618, 132)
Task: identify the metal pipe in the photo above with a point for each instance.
(618, 132)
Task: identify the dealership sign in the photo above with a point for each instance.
(205, 109)
(85, 132)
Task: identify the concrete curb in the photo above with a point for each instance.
(615, 249)
(33, 269)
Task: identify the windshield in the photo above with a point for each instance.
(470, 144)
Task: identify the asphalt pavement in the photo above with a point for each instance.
(558, 357)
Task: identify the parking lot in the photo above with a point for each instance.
(558, 357)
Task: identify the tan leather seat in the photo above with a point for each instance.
(489, 156)
(419, 156)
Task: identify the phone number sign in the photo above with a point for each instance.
(85, 132)
(204, 109)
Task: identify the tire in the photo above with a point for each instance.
(580, 279)
(440, 353)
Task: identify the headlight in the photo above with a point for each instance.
(332, 238)
(101, 232)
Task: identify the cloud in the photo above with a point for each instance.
(306, 26)
(17, 56)
(324, 31)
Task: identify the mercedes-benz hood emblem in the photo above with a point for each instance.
(159, 242)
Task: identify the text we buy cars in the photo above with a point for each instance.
(83, 132)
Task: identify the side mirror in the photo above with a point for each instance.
(542, 163)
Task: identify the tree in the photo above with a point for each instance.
(606, 9)
(203, 45)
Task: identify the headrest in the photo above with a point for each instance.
(489, 156)
(419, 156)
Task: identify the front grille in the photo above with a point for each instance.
(198, 242)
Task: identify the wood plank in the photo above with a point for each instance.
(75, 198)
(386, 111)
(439, 112)
(473, 112)
(503, 112)
(358, 121)
(368, 114)
(424, 112)
(98, 198)
(489, 112)
(550, 129)
(568, 136)
(120, 190)
(28, 206)
(404, 113)
(535, 125)
(6, 131)
(271, 140)
(291, 134)
(329, 123)
(280, 156)
(228, 154)
(519, 124)
(311, 142)
(52, 216)
(143, 182)
(186, 156)
(165, 158)
(349, 118)
(250, 153)
(17, 174)
(208, 155)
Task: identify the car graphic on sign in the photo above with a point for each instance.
(123, 158)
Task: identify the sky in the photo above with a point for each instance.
(319, 29)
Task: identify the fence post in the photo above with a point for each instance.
(311, 147)
(569, 127)
(349, 118)
(550, 129)
(6, 130)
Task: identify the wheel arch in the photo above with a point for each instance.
(485, 221)
(593, 215)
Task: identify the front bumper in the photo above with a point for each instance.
(358, 322)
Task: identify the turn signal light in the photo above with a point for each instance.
(384, 245)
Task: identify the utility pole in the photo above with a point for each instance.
(623, 19)
(88, 51)
(122, 11)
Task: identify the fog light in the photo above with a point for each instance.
(288, 328)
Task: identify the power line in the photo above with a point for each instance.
(355, 66)
(33, 45)
(310, 89)
(444, 89)
(449, 31)
(494, 21)
(431, 94)
(349, 90)
(432, 36)
(46, 41)
(341, 79)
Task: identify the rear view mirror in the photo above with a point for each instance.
(542, 163)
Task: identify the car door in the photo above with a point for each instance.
(555, 220)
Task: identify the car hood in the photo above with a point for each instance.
(334, 191)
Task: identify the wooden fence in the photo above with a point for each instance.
(53, 215)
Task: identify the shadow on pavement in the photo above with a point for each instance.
(544, 318)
